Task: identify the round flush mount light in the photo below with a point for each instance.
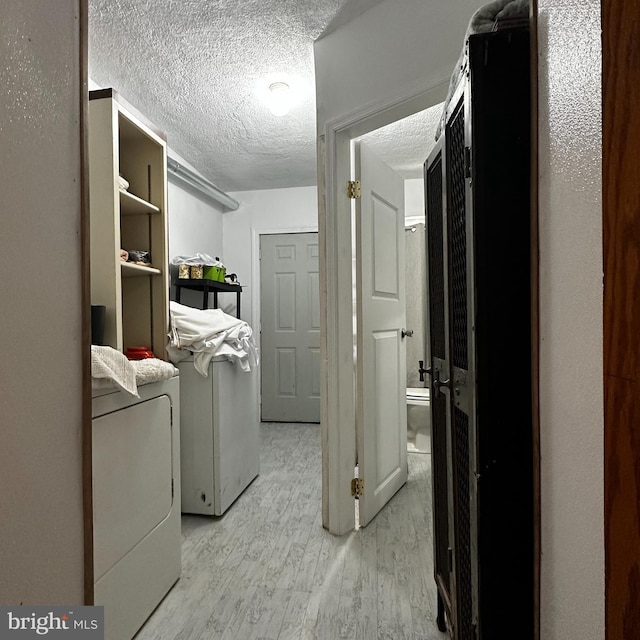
(279, 100)
(282, 92)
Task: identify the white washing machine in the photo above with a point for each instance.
(219, 435)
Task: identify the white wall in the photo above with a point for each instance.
(414, 199)
(195, 226)
(571, 402)
(396, 48)
(41, 521)
(265, 210)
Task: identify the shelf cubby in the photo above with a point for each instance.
(122, 143)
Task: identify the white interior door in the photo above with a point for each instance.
(381, 422)
(290, 327)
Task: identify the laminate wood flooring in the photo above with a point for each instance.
(267, 570)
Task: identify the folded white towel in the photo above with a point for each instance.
(108, 364)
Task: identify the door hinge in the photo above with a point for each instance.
(353, 189)
(467, 162)
(357, 487)
(171, 488)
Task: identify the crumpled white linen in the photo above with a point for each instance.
(206, 333)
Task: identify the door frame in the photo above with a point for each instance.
(256, 311)
(337, 397)
(621, 356)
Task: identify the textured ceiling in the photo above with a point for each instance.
(406, 144)
(196, 68)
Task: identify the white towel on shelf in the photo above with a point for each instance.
(206, 333)
(111, 367)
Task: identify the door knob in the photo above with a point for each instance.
(407, 333)
(437, 383)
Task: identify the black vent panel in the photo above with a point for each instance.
(436, 257)
(458, 237)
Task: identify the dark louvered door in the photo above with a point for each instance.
(453, 437)
(480, 327)
(462, 436)
(438, 331)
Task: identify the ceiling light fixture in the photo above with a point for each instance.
(279, 98)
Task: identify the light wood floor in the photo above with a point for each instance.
(267, 569)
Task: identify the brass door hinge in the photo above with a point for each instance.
(353, 189)
(357, 487)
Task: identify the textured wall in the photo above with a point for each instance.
(41, 548)
(571, 414)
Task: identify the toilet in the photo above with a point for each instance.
(418, 420)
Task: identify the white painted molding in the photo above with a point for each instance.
(383, 112)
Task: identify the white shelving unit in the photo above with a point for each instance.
(136, 297)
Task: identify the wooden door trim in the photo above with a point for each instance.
(621, 245)
(87, 447)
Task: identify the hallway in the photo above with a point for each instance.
(267, 569)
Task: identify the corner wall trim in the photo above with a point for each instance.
(208, 189)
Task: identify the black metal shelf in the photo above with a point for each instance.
(208, 286)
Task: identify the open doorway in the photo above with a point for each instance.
(404, 145)
(336, 231)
